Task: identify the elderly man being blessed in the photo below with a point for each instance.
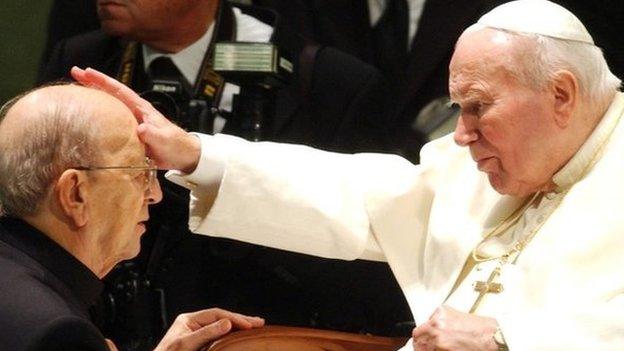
(504, 237)
(75, 187)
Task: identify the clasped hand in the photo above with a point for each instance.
(450, 330)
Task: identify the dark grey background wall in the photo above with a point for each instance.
(22, 33)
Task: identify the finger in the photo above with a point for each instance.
(147, 133)
(423, 330)
(204, 335)
(103, 82)
(238, 320)
(111, 345)
(436, 313)
(94, 78)
(81, 76)
(423, 344)
(149, 114)
(78, 74)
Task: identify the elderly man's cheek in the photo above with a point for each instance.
(489, 165)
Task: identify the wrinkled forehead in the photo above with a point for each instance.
(484, 46)
(111, 123)
(106, 123)
(488, 54)
(117, 138)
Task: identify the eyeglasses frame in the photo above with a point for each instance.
(149, 167)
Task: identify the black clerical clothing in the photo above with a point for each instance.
(45, 293)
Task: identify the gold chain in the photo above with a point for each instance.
(503, 226)
(518, 213)
(512, 255)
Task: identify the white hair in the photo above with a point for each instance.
(45, 145)
(539, 65)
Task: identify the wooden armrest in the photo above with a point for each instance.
(278, 338)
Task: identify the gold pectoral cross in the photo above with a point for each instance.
(487, 287)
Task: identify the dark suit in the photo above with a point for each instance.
(66, 19)
(345, 25)
(45, 294)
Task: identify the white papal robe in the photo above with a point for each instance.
(566, 290)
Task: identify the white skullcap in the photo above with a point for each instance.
(537, 17)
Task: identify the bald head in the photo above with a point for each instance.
(50, 129)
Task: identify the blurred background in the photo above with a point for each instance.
(22, 34)
(23, 30)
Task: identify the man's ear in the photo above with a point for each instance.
(71, 191)
(565, 89)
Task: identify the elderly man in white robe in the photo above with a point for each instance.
(506, 236)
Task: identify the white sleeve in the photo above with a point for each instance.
(210, 167)
(289, 197)
(595, 326)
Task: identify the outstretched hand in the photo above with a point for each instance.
(167, 144)
(192, 331)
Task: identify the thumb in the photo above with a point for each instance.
(111, 345)
(205, 334)
(150, 137)
(147, 133)
(150, 115)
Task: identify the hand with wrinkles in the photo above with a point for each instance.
(192, 331)
(451, 330)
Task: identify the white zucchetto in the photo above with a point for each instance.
(537, 17)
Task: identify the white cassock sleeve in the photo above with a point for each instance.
(599, 326)
(289, 197)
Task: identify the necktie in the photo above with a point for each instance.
(167, 88)
(390, 36)
(163, 68)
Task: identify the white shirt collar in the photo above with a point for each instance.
(581, 161)
(188, 61)
(415, 8)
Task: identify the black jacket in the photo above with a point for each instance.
(45, 294)
(345, 26)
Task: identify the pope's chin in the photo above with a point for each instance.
(507, 186)
(496, 182)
